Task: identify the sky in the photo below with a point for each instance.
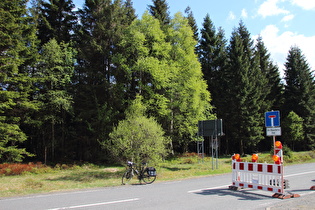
(281, 23)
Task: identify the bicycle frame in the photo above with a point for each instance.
(140, 171)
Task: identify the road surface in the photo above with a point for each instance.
(209, 192)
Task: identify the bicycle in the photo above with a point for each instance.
(146, 174)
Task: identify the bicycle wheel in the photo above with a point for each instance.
(127, 177)
(147, 178)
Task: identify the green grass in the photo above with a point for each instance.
(73, 177)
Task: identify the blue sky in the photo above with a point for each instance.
(281, 23)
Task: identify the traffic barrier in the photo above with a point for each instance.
(260, 176)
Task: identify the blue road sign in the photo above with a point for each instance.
(272, 119)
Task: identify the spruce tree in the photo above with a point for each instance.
(99, 102)
(56, 20)
(212, 56)
(299, 93)
(274, 87)
(17, 55)
(159, 10)
(192, 22)
(244, 94)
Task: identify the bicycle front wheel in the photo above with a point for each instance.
(147, 178)
(127, 177)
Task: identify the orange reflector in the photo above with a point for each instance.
(237, 156)
(276, 158)
(254, 157)
(278, 144)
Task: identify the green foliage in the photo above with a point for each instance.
(65, 94)
(293, 130)
(17, 52)
(164, 69)
(299, 94)
(56, 20)
(138, 138)
(192, 22)
(159, 10)
(244, 97)
(98, 87)
(274, 87)
(55, 71)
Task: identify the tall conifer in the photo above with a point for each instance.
(17, 55)
(99, 101)
(56, 20)
(244, 96)
(192, 22)
(274, 87)
(299, 93)
(159, 10)
(212, 56)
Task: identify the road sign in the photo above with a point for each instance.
(210, 128)
(272, 119)
(276, 131)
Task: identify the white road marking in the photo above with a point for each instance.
(224, 186)
(96, 204)
(212, 188)
(309, 172)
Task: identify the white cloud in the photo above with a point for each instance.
(231, 16)
(287, 18)
(280, 44)
(270, 8)
(244, 14)
(305, 4)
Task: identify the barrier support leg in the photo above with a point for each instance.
(283, 196)
(232, 187)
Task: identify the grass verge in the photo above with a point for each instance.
(66, 177)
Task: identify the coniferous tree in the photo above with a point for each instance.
(159, 10)
(98, 100)
(244, 95)
(192, 23)
(212, 56)
(17, 55)
(299, 94)
(56, 20)
(274, 86)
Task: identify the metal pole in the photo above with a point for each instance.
(216, 151)
(212, 152)
(274, 145)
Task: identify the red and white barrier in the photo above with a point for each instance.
(260, 176)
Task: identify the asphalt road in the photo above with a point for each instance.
(209, 192)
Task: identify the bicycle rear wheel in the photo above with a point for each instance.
(147, 178)
(127, 177)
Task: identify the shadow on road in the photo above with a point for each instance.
(242, 194)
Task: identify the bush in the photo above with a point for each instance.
(9, 169)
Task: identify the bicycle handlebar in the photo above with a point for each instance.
(129, 163)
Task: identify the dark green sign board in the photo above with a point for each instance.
(210, 128)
